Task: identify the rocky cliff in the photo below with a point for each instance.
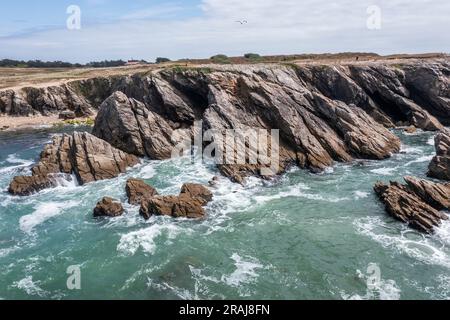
(415, 92)
(324, 113)
(440, 165)
(82, 154)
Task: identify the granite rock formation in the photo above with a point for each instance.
(440, 165)
(416, 203)
(82, 154)
(108, 207)
(137, 190)
(188, 204)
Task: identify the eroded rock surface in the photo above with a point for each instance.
(108, 207)
(416, 203)
(82, 154)
(324, 113)
(128, 125)
(137, 190)
(188, 204)
(440, 165)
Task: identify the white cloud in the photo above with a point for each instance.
(274, 26)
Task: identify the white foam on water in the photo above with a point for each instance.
(298, 191)
(419, 160)
(443, 232)
(408, 149)
(183, 294)
(245, 272)
(147, 171)
(145, 238)
(12, 158)
(18, 164)
(381, 290)
(430, 141)
(42, 213)
(384, 171)
(7, 251)
(360, 195)
(429, 250)
(30, 287)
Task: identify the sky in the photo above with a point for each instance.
(146, 29)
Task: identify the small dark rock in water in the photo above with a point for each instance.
(67, 115)
(417, 203)
(108, 207)
(440, 165)
(137, 190)
(214, 181)
(411, 129)
(189, 204)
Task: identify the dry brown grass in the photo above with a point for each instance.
(15, 78)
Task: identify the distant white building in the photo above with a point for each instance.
(132, 62)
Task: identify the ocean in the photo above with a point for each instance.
(302, 236)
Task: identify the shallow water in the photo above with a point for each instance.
(304, 236)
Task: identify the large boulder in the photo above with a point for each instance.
(108, 207)
(173, 206)
(82, 154)
(188, 204)
(195, 190)
(420, 210)
(137, 190)
(129, 126)
(440, 165)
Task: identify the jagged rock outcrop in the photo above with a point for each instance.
(416, 203)
(137, 190)
(195, 190)
(128, 125)
(188, 204)
(324, 113)
(314, 130)
(413, 93)
(440, 165)
(435, 194)
(82, 154)
(108, 207)
(45, 101)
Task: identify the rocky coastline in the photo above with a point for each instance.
(324, 113)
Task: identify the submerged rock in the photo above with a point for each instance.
(189, 204)
(82, 154)
(137, 190)
(108, 207)
(440, 165)
(417, 203)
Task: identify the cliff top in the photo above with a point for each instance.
(16, 78)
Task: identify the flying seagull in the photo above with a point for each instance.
(242, 21)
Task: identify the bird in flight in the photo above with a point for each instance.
(242, 21)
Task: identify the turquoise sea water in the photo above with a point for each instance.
(304, 236)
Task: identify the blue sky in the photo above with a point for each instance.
(145, 29)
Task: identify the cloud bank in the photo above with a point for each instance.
(274, 27)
